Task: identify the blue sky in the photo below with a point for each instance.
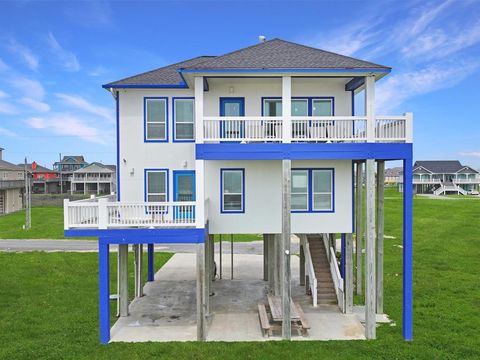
(54, 57)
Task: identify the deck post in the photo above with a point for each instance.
(285, 248)
(104, 291)
(277, 265)
(265, 257)
(380, 232)
(302, 260)
(370, 283)
(348, 277)
(150, 261)
(123, 275)
(407, 251)
(286, 109)
(138, 252)
(342, 255)
(359, 227)
(271, 262)
(207, 273)
(201, 305)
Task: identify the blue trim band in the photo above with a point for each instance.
(146, 86)
(142, 236)
(304, 151)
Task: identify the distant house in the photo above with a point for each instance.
(393, 176)
(66, 167)
(44, 180)
(12, 183)
(95, 178)
(444, 177)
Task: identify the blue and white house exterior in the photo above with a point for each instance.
(264, 140)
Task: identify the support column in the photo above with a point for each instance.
(407, 251)
(370, 283)
(265, 257)
(342, 255)
(123, 276)
(271, 262)
(380, 232)
(359, 227)
(285, 247)
(287, 109)
(138, 270)
(150, 261)
(302, 260)
(348, 278)
(201, 298)
(277, 289)
(207, 274)
(104, 291)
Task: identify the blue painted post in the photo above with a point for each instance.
(342, 256)
(151, 271)
(407, 250)
(104, 291)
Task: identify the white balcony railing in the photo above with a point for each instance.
(106, 214)
(305, 129)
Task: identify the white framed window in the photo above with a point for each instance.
(156, 119)
(184, 119)
(322, 107)
(272, 107)
(322, 190)
(233, 190)
(300, 193)
(156, 185)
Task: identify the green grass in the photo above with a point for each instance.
(48, 301)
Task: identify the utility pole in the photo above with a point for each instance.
(28, 200)
(60, 170)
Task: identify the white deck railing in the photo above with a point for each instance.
(309, 269)
(104, 214)
(307, 129)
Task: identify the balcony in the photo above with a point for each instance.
(325, 129)
(11, 184)
(105, 213)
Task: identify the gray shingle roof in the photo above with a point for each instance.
(440, 166)
(281, 54)
(167, 75)
(5, 165)
(38, 169)
(67, 159)
(272, 54)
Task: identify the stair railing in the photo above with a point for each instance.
(334, 270)
(309, 269)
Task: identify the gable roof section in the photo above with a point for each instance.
(5, 165)
(94, 168)
(275, 54)
(166, 76)
(72, 159)
(467, 170)
(283, 55)
(440, 166)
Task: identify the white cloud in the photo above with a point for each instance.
(31, 88)
(470, 154)
(398, 88)
(67, 59)
(64, 124)
(35, 104)
(98, 71)
(3, 66)
(7, 108)
(7, 132)
(24, 53)
(81, 103)
(3, 95)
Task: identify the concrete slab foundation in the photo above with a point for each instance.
(167, 312)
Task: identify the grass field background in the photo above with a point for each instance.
(48, 301)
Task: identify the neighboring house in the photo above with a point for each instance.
(44, 180)
(12, 185)
(393, 176)
(66, 167)
(440, 177)
(260, 140)
(94, 178)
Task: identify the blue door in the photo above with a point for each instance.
(232, 106)
(184, 190)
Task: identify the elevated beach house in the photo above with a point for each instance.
(262, 140)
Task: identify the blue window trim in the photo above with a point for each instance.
(174, 125)
(117, 116)
(221, 110)
(145, 98)
(310, 191)
(182, 172)
(308, 98)
(145, 171)
(222, 211)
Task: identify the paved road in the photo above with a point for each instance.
(254, 247)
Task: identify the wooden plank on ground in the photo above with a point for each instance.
(275, 303)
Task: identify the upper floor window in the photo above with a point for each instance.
(300, 193)
(155, 119)
(312, 190)
(309, 106)
(183, 118)
(272, 107)
(156, 183)
(322, 188)
(233, 190)
(322, 107)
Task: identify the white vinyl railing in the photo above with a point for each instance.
(310, 270)
(335, 271)
(104, 214)
(307, 128)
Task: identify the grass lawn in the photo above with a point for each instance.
(48, 301)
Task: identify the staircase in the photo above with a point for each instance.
(326, 290)
(449, 186)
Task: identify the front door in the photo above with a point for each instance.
(232, 106)
(184, 190)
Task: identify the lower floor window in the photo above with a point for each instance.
(156, 182)
(232, 188)
(312, 190)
